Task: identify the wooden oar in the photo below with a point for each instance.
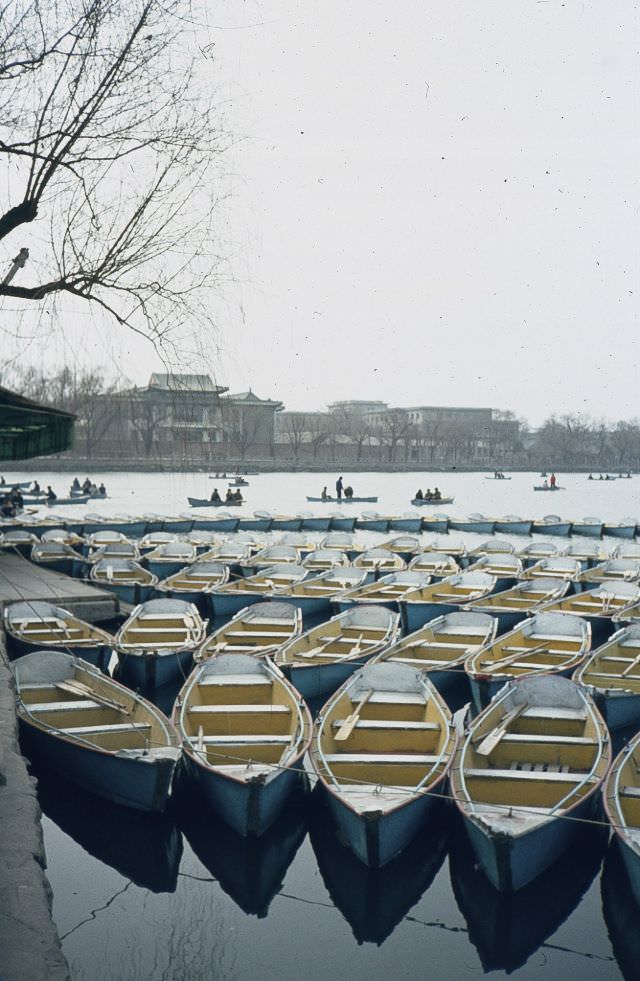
(525, 651)
(630, 667)
(492, 739)
(79, 688)
(349, 723)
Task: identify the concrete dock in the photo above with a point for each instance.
(23, 580)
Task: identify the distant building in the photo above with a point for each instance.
(249, 424)
(358, 407)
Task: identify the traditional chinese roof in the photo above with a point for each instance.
(184, 383)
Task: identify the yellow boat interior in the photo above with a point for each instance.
(604, 601)
(622, 793)
(199, 576)
(274, 577)
(525, 596)
(444, 643)
(545, 642)
(329, 585)
(384, 736)
(47, 626)
(162, 625)
(358, 633)
(380, 559)
(462, 588)
(237, 711)
(254, 630)
(616, 664)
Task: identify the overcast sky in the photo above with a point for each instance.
(433, 203)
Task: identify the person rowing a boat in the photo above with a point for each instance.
(428, 496)
(418, 496)
(324, 496)
(437, 496)
(51, 495)
(215, 497)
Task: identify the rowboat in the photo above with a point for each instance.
(453, 547)
(621, 796)
(626, 550)
(114, 551)
(534, 757)
(132, 527)
(442, 646)
(342, 500)
(260, 521)
(551, 524)
(612, 570)
(374, 901)
(406, 546)
(592, 527)
(171, 557)
(62, 535)
(438, 523)
(477, 523)
(504, 567)
(238, 482)
(98, 539)
(547, 487)
(342, 522)
(95, 731)
(407, 522)
(342, 541)
(549, 643)
(321, 659)
(587, 553)
(229, 597)
(17, 540)
(511, 606)
(598, 606)
(491, 547)
(223, 522)
(271, 555)
(382, 747)
(315, 522)
(507, 929)
(628, 615)
(313, 596)
(204, 502)
(418, 502)
(35, 624)
(63, 501)
(244, 730)
(258, 629)
(155, 644)
(193, 583)
(612, 677)
(153, 539)
(502, 477)
(7, 485)
(513, 525)
(438, 565)
(372, 521)
(249, 870)
(286, 522)
(385, 591)
(535, 551)
(58, 556)
(125, 578)
(620, 529)
(325, 558)
(442, 597)
(202, 541)
(233, 554)
(379, 561)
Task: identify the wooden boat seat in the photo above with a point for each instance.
(400, 758)
(551, 712)
(526, 665)
(253, 709)
(398, 724)
(219, 680)
(629, 792)
(227, 648)
(610, 676)
(540, 739)
(179, 628)
(397, 698)
(258, 635)
(548, 776)
(79, 705)
(245, 740)
(143, 727)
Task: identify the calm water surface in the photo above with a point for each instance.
(183, 899)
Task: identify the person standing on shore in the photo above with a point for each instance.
(339, 488)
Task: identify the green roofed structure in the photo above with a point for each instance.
(29, 429)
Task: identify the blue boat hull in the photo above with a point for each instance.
(413, 525)
(619, 710)
(478, 527)
(632, 865)
(372, 524)
(254, 524)
(99, 655)
(513, 527)
(589, 531)
(320, 679)
(226, 605)
(439, 525)
(163, 569)
(217, 524)
(286, 524)
(317, 523)
(415, 615)
(150, 669)
(624, 531)
(248, 808)
(342, 523)
(562, 528)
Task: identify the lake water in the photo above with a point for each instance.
(180, 898)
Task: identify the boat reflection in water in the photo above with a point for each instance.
(250, 870)
(374, 901)
(145, 848)
(621, 913)
(507, 928)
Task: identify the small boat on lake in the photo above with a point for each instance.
(490, 547)
(165, 560)
(342, 522)
(385, 591)
(125, 578)
(441, 646)
(229, 597)
(325, 558)
(548, 487)
(551, 524)
(598, 606)
(224, 522)
(17, 540)
(152, 539)
(204, 502)
(321, 659)
(612, 677)
(545, 643)
(194, 582)
(231, 553)
(313, 596)
(621, 801)
(245, 730)
(408, 522)
(438, 523)
(59, 557)
(445, 596)
(534, 757)
(513, 525)
(115, 550)
(626, 550)
(620, 529)
(438, 565)
(524, 599)
(477, 523)
(505, 567)
(379, 561)
(155, 644)
(592, 527)
(62, 535)
(342, 541)
(271, 555)
(260, 521)
(315, 522)
(258, 629)
(95, 731)
(406, 546)
(37, 624)
(372, 521)
(449, 546)
(286, 522)
(611, 570)
(429, 501)
(587, 553)
(342, 500)
(382, 747)
(535, 551)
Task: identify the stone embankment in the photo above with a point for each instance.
(29, 942)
